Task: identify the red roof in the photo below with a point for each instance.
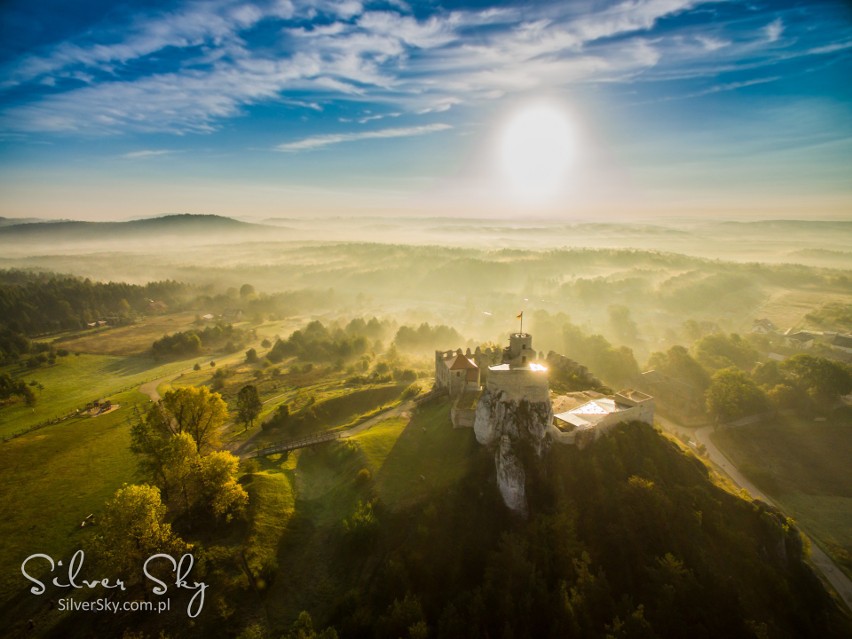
(461, 362)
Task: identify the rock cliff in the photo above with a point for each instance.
(508, 426)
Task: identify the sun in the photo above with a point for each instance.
(536, 151)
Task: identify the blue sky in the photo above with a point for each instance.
(289, 108)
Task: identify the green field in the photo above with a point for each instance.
(135, 339)
(76, 380)
(427, 456)
(805, 466)
(52, 479)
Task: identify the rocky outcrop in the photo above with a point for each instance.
(507, 426)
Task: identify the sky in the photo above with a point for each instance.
(310, 108)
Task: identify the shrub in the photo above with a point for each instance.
(411, 391)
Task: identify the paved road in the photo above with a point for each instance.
(822, 562)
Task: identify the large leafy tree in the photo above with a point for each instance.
(678, 364)
(194, 410)
(176, 442)
(733, 394)
(822, 378)
(248, 405)
(131, 529)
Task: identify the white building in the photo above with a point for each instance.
(586, 422)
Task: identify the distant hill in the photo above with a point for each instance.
(169, 225)
(12, 221)
(791, 225)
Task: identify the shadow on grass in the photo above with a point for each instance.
(130, 365)
(429, 455)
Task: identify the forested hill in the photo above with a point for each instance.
(33, 303)
(158, 227)
(628, 538)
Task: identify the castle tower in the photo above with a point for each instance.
(519, 353)
(519, 376)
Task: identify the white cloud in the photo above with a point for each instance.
(146, 153)
(709, 43)
(319, 141)
(201, 21)
(378, 116)
(386, 58)
(773, 30)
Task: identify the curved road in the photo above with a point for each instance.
(822, 562)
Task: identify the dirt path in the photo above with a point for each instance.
(404, 407)
(150, 388)
(821, 561)
(246, 447)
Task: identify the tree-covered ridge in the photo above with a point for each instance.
(628, 538)
(33, 303)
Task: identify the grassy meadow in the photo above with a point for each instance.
(804, 466)
(135, 339)
(40, 508)
(76, 380)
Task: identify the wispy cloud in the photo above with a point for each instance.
(146, 153)
(115, 80)
(773, 30)
(716, 88)
(319, 141)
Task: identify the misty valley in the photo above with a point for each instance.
(428, 427)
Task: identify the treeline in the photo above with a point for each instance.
(317, 343)
(189, 343)
(254, 304)
(426, 337)
(722, 374)
(17, 348)
(36, 303)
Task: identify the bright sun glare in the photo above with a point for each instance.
(536, 152)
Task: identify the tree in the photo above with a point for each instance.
(303, 628)
(733, 394)
(190, 482)
(767, 374)
(823, 379)
(220, 493)
(10, 387)
(677, 363)
(247, 291)
(131, 529)
(622, 324)
(719, 351)
(251, 356)
(197, 411)
(248, 405)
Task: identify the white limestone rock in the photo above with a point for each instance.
(508, 424)
(511, 477)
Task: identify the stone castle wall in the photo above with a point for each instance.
(519, 383)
